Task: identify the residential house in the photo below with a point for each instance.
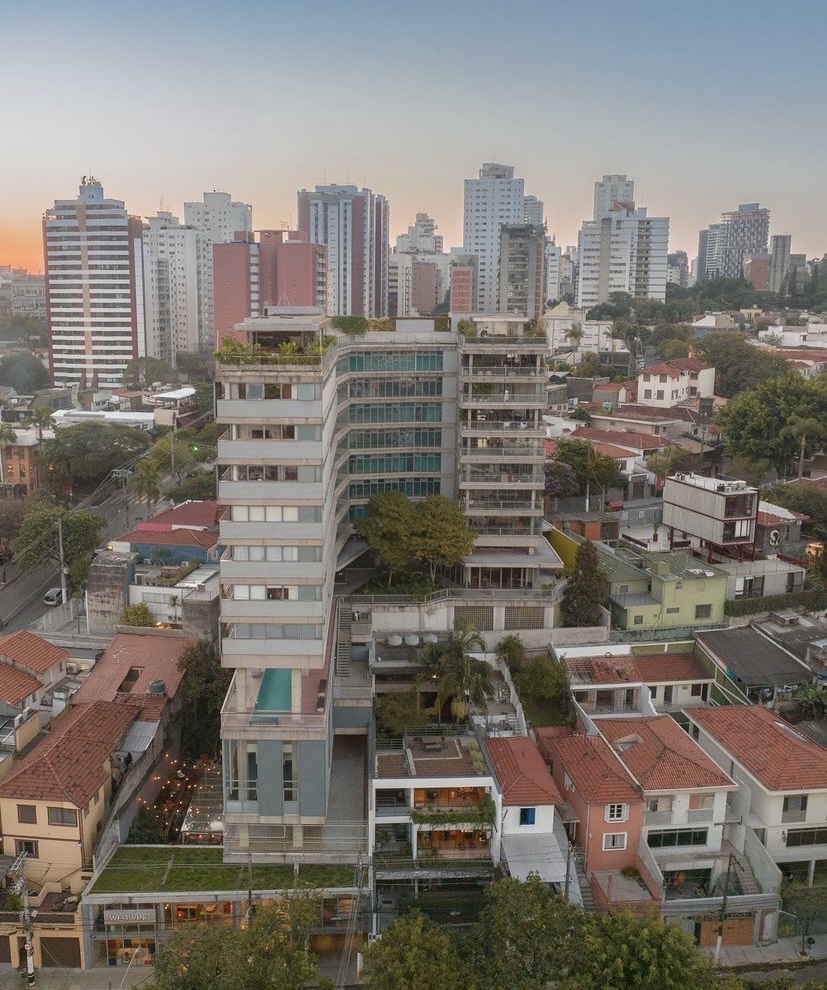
(710, 514)
(782, 781)
(41, 661)
(187, 532)
(778, 532)
(534, 839)
(670, 383)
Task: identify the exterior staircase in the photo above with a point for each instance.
(344, 617)
(585, 887)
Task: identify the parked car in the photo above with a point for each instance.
(614, 505)
(54, 596)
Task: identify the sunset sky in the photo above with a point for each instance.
(704, 105)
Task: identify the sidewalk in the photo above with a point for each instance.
(786, 951)
(57, 978)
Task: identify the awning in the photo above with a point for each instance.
(540, 854)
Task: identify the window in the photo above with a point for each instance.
(527, 816)
(806, 837)
(677, 837)
(290, 772)
(617, 812)
(614, 840)
(27, 846)
(703, 611)
(638, 620)
(701, 802)
(795, 808)
(697, 690)
(567, 782)
(62, 816)
(27, 814)
(659, 394)
(663, 804)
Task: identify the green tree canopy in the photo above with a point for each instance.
(387, 527)
(143, 371)
(82, 456)
(23, 372)
(413, 953)
(269, 954)
(739, 366)
(442, 536)
(527, 936)
(586, 589)
(753, 421)
(202, 692)
(37, 539)
(463, 678)
(589, 467)
(137, 615)
(618, 951)
(397, 711)
(145, 483)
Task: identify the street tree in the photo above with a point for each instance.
(202, 692)
(387, 528)
(23, 372)
(12, 513)
(806, 431)
(145, 483)
(81, 456)
(38, 540)
(41, 419)
(414, 953)
(560, 479)
(527, 936)
(618, 950)
(8, 436)
(174, 455)
(586, 589)
(442, 535)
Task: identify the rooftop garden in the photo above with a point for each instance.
(165, 869)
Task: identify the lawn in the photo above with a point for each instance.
(145, 869)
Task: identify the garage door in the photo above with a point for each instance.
(60, 952)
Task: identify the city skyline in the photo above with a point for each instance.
(262, 102)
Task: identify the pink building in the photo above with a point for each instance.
(463, 288)
(424, 286)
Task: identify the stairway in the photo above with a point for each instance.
(585, 887)
(344, 618)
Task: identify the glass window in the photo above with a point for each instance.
(614, 840)
(27, 814)
(62, 816)
(703, 611)
(617, 812)
(528, 816)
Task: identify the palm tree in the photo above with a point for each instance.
(7, 437)
(146, 483)
(40, 417)
(174, 603)
(464, 678)
(575, 334)
(803, 430)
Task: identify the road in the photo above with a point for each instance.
(21, 596)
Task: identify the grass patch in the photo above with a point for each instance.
(140, 870)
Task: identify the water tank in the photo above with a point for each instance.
(157, 689)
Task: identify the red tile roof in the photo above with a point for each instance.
(521, 772)
(768, 747)
(153, 656)
(637, 441)
(203, 538)
(657, 668)
(676, 367)
(16, 685)
(660, 755)
(72, 763)
(27, 650)
(198, 515)
(596, 773)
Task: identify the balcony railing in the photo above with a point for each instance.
(264, 725)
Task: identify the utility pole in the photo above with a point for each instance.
(22, 889)
(720, 938)
(63, 589)
(123, 474)
(172, 445)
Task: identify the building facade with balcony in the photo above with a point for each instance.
(316, 426)
(710, 513)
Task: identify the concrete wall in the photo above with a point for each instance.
(107, 590)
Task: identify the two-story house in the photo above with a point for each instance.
(710, 514)
(782, 778)
(670, 383)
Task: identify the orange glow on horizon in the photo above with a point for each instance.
(22, 250)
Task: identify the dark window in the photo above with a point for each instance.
(528, 816)
(62, 816)
(703, 611)
(677, 837)
(27, 814)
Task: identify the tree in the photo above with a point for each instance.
(37, 539)
(543, 679)
(143, 371)
(387, 528)
(804, 430)
(12, 513)
(585, 591)
(7, 438)
(398, 711)
(82, 456)
(174, 604)
(811, 700)
(137, 615)
(528, 935)
(194, 366)
(413, 953)
(199, 487)
(463, 678)
(23, 372)
(202, 691)
(739, 366)
(560, 479)
(619, 951)
(752, 421)
(672, 349)
(145, 483)
(173, 454)
(511, 651)
(664, 461)
(41, 418)
(442, 536)
(589, 467)
(269, 954)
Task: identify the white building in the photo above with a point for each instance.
(409, 284)
(353, 224)
(494, 199)
(533, 210)
(170, 287)
(217, 220)
(611, 191)
(554, 255)
(94, 274)
(670, 383)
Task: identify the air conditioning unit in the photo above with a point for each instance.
(71, 668)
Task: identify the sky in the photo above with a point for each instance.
(705, 105)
